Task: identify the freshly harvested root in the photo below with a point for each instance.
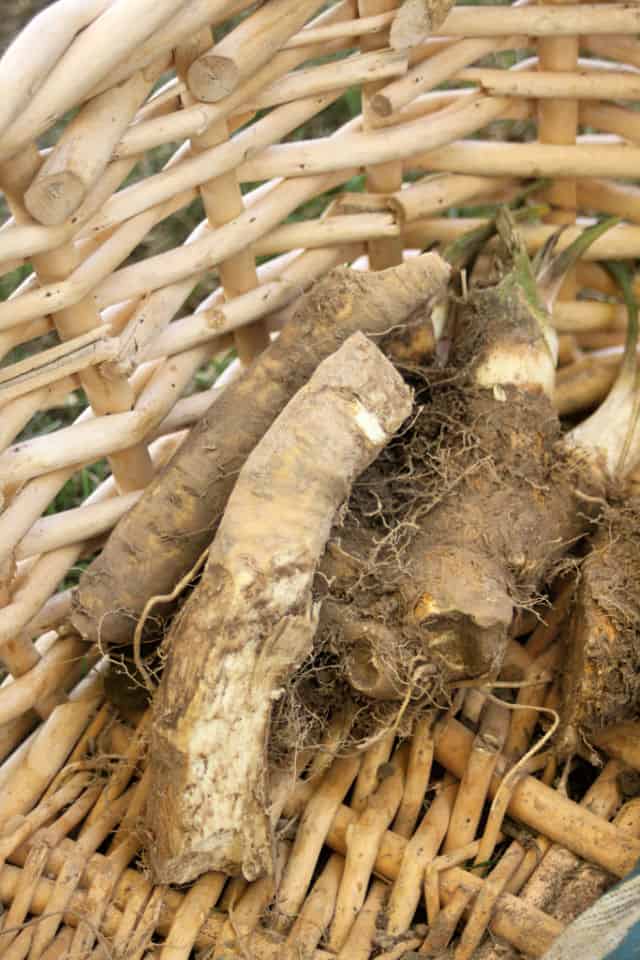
(601, 679)
(251, 620)
(479, 508)
(601, 675)
(159, 540)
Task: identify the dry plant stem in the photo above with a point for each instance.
(219, 72)
(194, 709)
(421, 848)
(315, 823)
(184, 25)
(46, 755)
(364, 840)
(336, 75)
(107, 600)
(244, 917)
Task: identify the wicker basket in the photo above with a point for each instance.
(494, 95)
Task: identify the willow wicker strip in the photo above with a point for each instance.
(383, 130)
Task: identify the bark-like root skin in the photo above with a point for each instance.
(160, 539)
(490, 545)
(601, 680)
(491, 513)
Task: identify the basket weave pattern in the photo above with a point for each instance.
(103, 311)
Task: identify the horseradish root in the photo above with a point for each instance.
(251, 620)
(160, 539)
(479, 508)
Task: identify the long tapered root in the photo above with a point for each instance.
(251, 620)
(163, 535)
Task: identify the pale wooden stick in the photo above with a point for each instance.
(338, 75)
(46, 755)
(421, 848)
(608, 196)
(417, 778)
(429, 74)
(42, 369)
(474, 786)
(81, 443)
(536, 21)
(222, 200)
(40, 682)
(93, 53)
(81, 155)
(220, 71)
(314, 825)
(16, 414)
(441, 929)
(619, 243)
(212, 322)
(434, 194)
(486, 158)
(528, 928)
(541, 808)
(316, 911)
(41, 580)
(350, 28)
(368, 775)
(416, 20)
(34, 53)
(485, 902)
(186, 23)
(212, 156)
(75, 525)
(546, 864)
(548, 84)
(195, 120)
(366, 835)
(390, 143)
(388, 176)
(240, 925)
(361, 938)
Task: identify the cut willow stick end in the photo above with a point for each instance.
(212, 77)
(52, 199)
(416, 20)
